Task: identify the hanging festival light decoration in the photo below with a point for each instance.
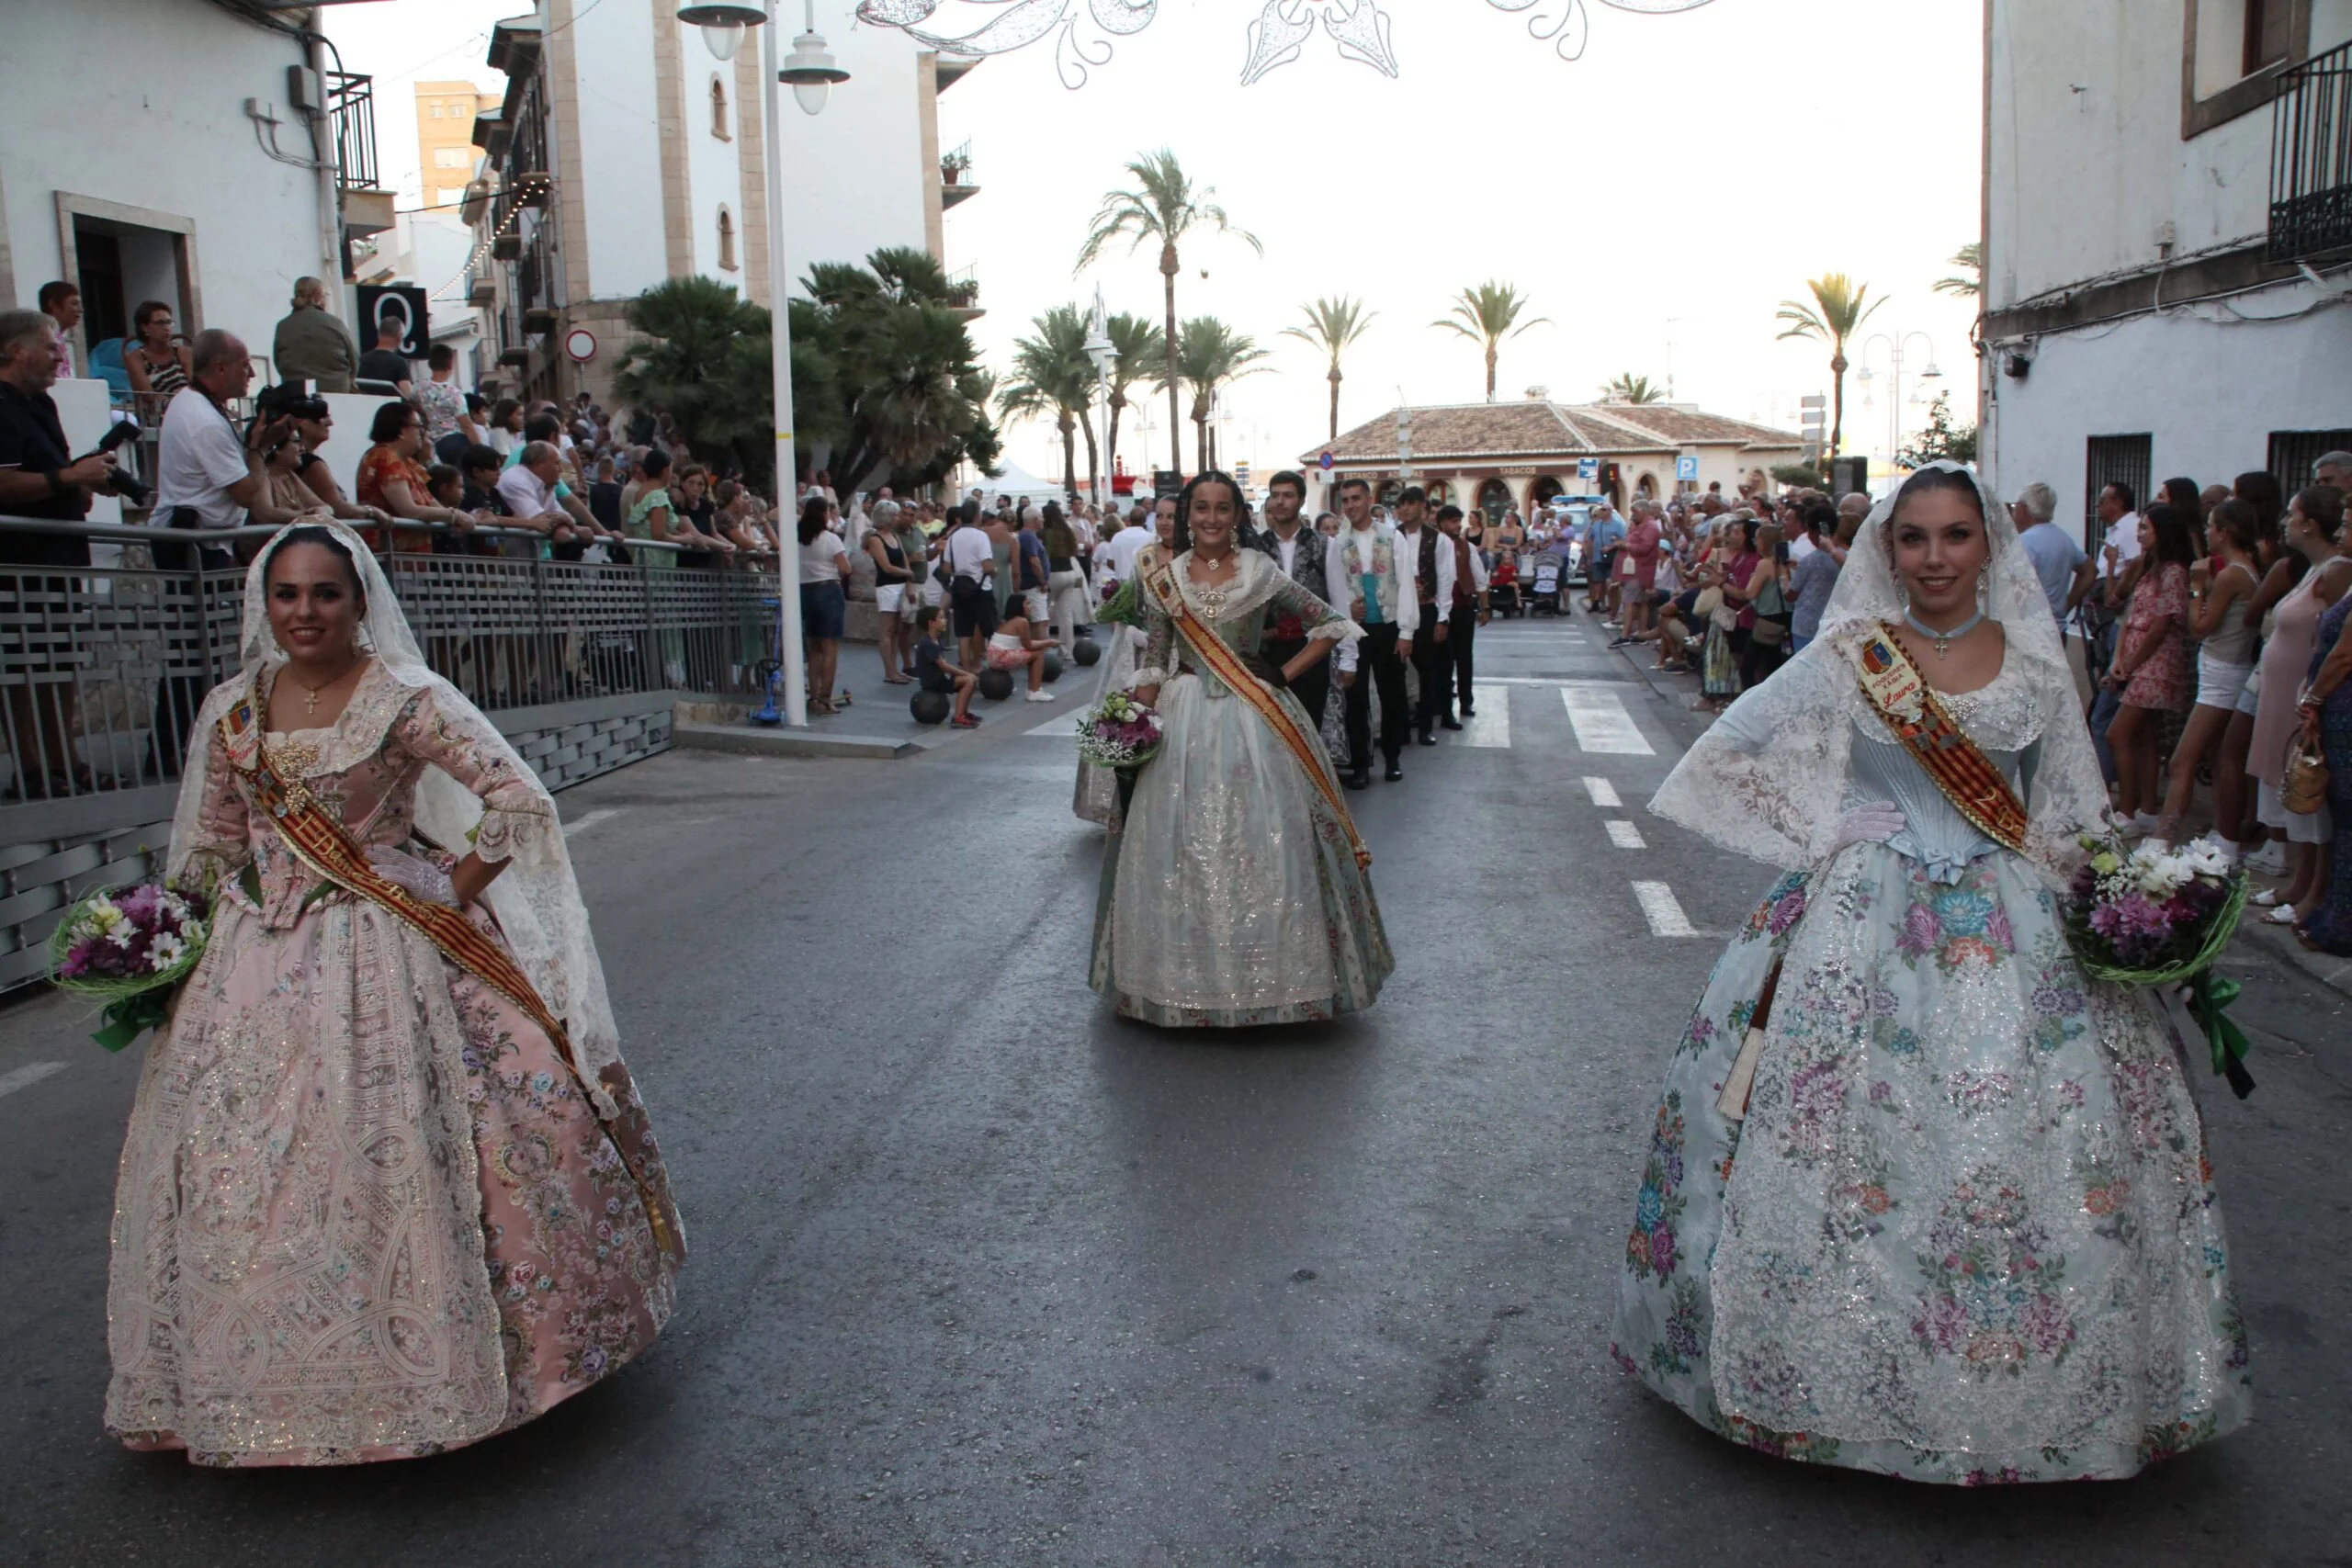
(1276, 36)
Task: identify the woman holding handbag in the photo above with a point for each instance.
(2314, 530)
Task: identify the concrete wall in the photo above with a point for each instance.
(145, 108)
(619, 183)
(714, 166)
(2085, 149)
(2208, 386)
(853, 176)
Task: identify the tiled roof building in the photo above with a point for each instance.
(1517, 455)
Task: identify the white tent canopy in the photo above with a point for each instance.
(1017, 482)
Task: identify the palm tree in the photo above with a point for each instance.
(1629, 387)
(1835, 313)
(1488, 314)
(1139, 354)
(1331, 325)
(1052, 377)
(1208, 355)
(1969, 282)
(1165, 207)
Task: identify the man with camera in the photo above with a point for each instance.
(39, 477)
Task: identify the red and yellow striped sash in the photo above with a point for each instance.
(1213, 650)
(1901, 696)
(320, 842)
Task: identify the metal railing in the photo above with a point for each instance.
(351, 104)
(103, 666)
(2311, 158)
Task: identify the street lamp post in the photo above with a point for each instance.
(1896, 343)
(1104, 353)
(812, 73)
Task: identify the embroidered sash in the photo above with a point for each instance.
(1901, 696)
(1212, 650)
(320, 842)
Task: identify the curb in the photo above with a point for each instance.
(745, 740)
(2279, 942)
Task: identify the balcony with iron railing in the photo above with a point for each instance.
(955, 182)
(2311, 159)
(351, 117)
(964, 294)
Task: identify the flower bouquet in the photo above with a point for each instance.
(1121, 734)
(2156, 916)
(129, 946)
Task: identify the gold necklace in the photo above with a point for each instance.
(310, 692)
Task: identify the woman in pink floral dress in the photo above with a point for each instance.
(2151, 665)
(369, 1207)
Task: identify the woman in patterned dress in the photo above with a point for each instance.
(1960, 1226)
(369, 1209)
(2152, 668)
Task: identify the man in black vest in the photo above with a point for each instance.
(1465, 613)
(1431, 570)
(1302, 554)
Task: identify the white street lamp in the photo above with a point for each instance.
(722, 25)
(809, 69)
(1105, 355)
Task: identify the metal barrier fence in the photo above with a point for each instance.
(102, 667)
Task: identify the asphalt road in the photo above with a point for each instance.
(983, 1275)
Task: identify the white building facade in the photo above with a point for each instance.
(2168, 242)
(178, 151)
(625, 152)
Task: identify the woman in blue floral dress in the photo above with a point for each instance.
(1962, 1226)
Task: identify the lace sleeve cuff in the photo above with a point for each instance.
(525, 834)
(1338, 629)
(1150, 675)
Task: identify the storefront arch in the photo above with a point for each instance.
(1495, 499)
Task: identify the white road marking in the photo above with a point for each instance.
(1624, 835)
(1062, 726)
(26, 1075)
(1602, 722)
(1603, 792)
(602, 814)
(1658, 908)
(1490, 725)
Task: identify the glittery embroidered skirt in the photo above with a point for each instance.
(364, 1211)
(1967, 1232)
(1231, 895)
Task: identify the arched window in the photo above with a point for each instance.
(726, 240)
(718, 110)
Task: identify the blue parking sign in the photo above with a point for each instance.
(1587, 469)
(1686, 468)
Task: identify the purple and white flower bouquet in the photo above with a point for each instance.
(129, 946)
(1121, 734)
(2159, 915)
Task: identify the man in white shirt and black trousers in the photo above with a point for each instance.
(1466, 612)
(1369, 579)
(1431, 567)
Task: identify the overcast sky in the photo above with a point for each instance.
(1656, 198)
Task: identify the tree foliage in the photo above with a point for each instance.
(1209, 354)
(883, 373)
(1333, 325)
(1938, 440)
(1839, 307)
(1969, 282)
(1162, 205)
(1628, 388)
(1053, 378)
(1489, 315)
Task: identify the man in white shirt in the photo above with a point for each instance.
(206, 474)
(528, 489)
(1430, 571)
(969, 562)
(1115, 562)
(1367, 577)
(1466, 612)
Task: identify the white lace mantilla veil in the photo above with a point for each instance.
(1773, 776)
(535, 900)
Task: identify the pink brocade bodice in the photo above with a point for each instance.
(363, 772)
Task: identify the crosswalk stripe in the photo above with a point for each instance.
(26, 1075)
(581, 825)
(1624, 835)
(1062, 724)
(1602, 723)
(1603, 792)
(1658, 908)
(1489, 725)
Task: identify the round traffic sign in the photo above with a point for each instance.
(581, 345)
(1323, 462)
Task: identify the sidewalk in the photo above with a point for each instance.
(2277, 941)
